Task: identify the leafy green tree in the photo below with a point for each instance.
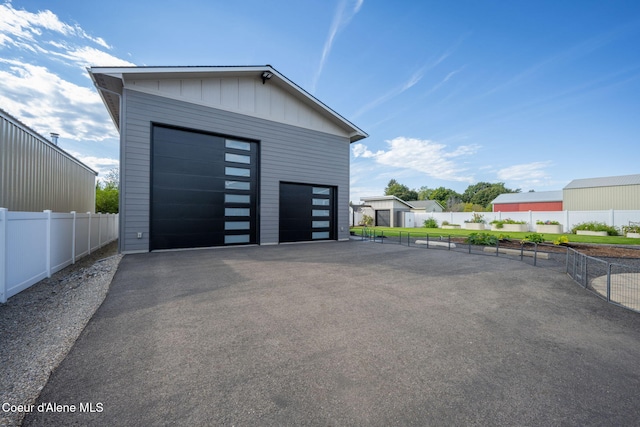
(107, 194)
(483, 193)
(445, 196)
(424, 193)
(401, 191)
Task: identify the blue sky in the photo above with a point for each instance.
(530, 93)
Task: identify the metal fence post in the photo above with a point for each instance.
(408, 238)
(535, 254)
(608, 282)
(497, 247)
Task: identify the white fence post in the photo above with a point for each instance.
(89, 233)
(99, 230)
(73, 238)
(530, 227)
(47, 244)
(3, 255)
(611, 218)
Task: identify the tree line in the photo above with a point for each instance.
(476, 198)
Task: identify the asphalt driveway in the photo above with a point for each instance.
(347, 333)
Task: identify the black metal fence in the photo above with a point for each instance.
(614, 281)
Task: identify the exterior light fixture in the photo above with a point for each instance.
(266, 75)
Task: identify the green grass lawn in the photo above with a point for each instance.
(394, 232)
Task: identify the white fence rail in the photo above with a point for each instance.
(34, 245)
(568, 219)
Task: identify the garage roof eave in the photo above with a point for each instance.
(100, 75)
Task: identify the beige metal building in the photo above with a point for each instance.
(36, 175)
(590, 194)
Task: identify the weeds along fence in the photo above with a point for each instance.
(35, 245)
(615, 280)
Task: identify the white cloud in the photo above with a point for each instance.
(102, 165)
(43, 81)
(88, 56)
(341, 19)
(48, 103)
(529, 174)
(425, 156)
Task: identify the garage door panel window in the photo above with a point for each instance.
(231, 171)
(237, 225)
(237, 185)
(238, 145)
(237, 212)
(318, 212)
(237, 158)
(237, 198)
(320, 235)
(322, 190)
(321, 202)
(236, 238)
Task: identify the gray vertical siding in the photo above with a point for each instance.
(287, 153)
(36, 175)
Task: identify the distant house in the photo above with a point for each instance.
(523, 202)
(230, 155)
(614, 192)
(426, 206)
(390, 211)
(37, 175)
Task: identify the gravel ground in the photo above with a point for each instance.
(39, 326)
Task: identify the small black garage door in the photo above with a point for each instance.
(383, 218)
(203, 190)
(307, 212)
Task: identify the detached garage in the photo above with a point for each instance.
(215, 156)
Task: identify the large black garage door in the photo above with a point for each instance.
(203, 190)
(307, 212)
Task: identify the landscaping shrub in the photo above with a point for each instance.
(367, 220)
(430, 223)
(533, 238)
(485, 239)
(499, 223)
(595, 226)
(477, 219)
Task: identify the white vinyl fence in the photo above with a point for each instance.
(568, 219)
(34, 245)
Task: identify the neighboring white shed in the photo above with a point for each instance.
(36, 174)
(386, 211)
(614, 192)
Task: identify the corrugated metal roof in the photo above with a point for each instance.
(5, 115)
(532, 197)
(608, 181)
